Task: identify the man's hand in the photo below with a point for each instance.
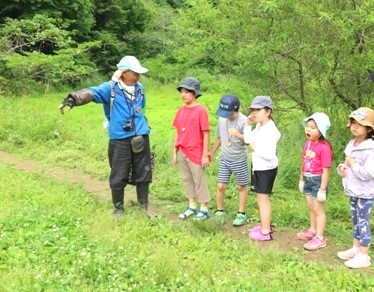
(69, 101)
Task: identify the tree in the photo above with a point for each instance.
(78, 14)
(38, 50)
(313, 53)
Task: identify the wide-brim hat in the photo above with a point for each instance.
(364, 116)
(192, 84)
(322, 120)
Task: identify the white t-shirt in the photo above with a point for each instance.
(265, 138)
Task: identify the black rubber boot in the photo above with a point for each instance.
(117, 199)
(142, 191)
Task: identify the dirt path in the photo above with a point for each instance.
(284, 240)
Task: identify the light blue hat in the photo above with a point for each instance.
(322, 121)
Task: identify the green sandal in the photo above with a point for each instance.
(187, 213)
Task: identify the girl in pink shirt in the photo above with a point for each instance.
(317, 158)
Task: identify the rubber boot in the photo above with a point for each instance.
(142, 191)
(117, 199)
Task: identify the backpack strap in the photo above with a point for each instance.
(112, 93)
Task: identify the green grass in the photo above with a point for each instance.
(57, 237)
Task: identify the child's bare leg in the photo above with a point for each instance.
(204, 206)
(192, 203)
(364, 250)
(312, 215)
(320, 215)
(242, 198)
(263, 202)
(221, 188)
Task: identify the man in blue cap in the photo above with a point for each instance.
(129, 150)
(233, 158)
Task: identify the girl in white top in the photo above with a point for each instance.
(262, 142)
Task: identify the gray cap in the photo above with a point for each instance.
(190, 83)
(261, 102)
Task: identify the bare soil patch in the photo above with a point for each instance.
(284, 240)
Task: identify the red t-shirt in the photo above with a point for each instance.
(191, 122)
(316, 156)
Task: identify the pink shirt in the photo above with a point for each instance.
(316, 156)
(190, 123)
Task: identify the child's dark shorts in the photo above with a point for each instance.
(263, 180)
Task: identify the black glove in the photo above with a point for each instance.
(69, 101)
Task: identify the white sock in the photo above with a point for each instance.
(363, 255)
(356, 250)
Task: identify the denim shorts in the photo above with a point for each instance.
(312, 185)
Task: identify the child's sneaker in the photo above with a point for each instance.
(258, 229)
(358, 261)
(255, 229)
(306, 235)
(315, 243)
(260, 237)
(239, 220)
(347, 254)
(219, 216)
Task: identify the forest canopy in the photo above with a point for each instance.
(315, 54)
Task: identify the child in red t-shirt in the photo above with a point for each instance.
(191, 148)
(317, 158)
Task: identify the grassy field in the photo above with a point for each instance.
(55, 236)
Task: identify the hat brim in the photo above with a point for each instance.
(197, 92)
(362, 123)
(139, 70)
(256, 106)
(223, 114)
(306, 120)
